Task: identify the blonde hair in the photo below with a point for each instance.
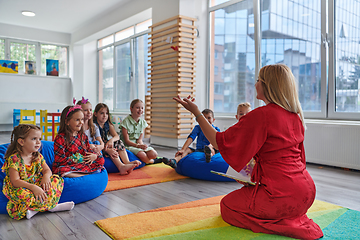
(135, 101)
(243, 105)
(279, 87)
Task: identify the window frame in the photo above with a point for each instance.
(130, 39)
(327, 59)
(37, 44)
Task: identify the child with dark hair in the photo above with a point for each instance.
(202, 144)
(114, 147)
(73, 155)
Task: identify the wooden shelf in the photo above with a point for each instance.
(172, 72)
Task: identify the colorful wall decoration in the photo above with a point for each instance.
(7, 66)
(30, 67)
(52, 67)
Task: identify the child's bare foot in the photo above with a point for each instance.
(126, 169)
(136, 162)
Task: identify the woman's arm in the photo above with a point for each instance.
(208, 130)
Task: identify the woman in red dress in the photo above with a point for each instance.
(273, 135)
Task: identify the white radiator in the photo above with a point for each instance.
(333, 143)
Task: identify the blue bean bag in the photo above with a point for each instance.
(111, 168)
(195, 166)
(79, 189)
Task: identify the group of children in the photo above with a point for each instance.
(83, 139)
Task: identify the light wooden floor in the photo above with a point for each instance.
(334, 185)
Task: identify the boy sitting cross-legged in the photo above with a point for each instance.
(202, 144)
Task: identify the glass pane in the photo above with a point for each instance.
(288, 44)
(232, 55)
(106, 80)
(141, 69)
(56, 53)
(143, 26)
(22, 52)
(125, 86)
(2, 49)
(347, 54)
(124, 34)
(106, 41)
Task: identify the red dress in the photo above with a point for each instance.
(278, 205)
(78, 144)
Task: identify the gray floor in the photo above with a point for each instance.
(334, 185)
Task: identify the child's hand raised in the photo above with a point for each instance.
(90, 158)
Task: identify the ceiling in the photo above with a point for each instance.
(65, 16)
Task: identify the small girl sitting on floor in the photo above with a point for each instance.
(114, 147)
(132, 134)
(73, 155)
(90, 129)
(29, 184)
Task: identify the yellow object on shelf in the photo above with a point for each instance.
(27, 116)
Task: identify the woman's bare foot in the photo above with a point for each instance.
(126, 169)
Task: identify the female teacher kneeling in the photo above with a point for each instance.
(273, 135)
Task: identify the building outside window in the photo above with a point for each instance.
(291, 33)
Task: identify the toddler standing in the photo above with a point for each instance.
(29, 184)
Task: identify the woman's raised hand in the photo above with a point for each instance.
(188, 103)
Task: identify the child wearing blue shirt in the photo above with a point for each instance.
(202, 144)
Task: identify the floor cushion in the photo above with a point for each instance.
(79, 189)
(195, 166)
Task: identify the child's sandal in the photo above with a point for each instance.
(171, 162)
(207, 152)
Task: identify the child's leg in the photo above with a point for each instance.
(66, 206)
(123, 168)
(125, 158)
(144, 158)
(75, 174)
(152, 154)
(173, 161)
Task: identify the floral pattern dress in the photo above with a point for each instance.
(23, 199)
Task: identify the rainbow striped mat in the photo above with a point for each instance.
(201, 220)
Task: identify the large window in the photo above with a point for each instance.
(123, 66)
(232, 54)
(295, 33)
(22, 51)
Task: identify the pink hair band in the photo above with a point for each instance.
(72, 109)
